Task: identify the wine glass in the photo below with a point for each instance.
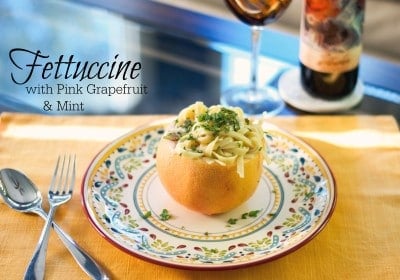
(255, 99)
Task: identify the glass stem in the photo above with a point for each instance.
(255, 50)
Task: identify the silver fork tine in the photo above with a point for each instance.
(71, 185)
(54, 179)
(66, 188)
(60, 188)
(59, 193)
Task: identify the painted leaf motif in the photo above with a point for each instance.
(293, 221)
(132, 164)
(262, 243)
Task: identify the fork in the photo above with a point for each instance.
(60, 191)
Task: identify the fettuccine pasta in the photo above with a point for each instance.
(216, 134)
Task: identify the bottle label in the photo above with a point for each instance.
(330, 34)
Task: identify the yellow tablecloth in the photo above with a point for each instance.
(361, 241)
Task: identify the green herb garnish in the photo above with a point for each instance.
(224, 120)
(165, 215)
(147, 215)
(254, 213)
(187, 125)
(244, 216)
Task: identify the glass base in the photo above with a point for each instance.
(264, 101)
(293, 93)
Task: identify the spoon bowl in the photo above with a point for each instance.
(18, 191)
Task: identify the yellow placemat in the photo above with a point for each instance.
(361, 241)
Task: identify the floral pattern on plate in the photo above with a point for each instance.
(125, 201)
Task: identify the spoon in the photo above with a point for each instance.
(22, 195)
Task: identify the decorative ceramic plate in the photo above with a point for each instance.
(124, 200)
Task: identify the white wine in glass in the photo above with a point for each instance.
(253, 98)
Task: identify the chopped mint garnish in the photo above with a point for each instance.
(147, 215)
(165, 215)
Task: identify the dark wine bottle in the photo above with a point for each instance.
(330, 46)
